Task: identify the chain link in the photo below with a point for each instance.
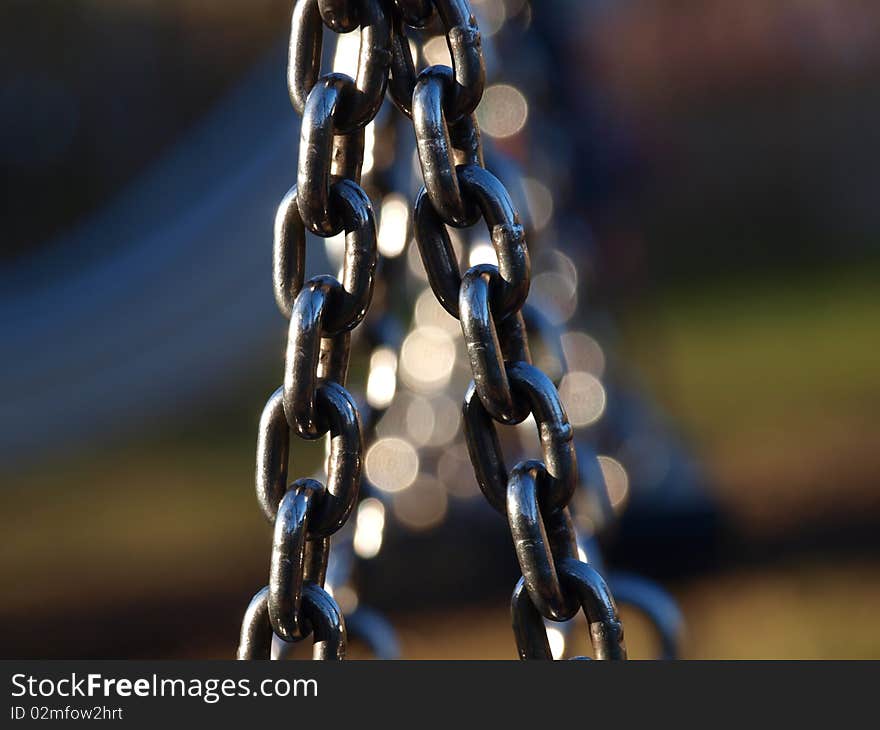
(506, 388)
(488, 300)
(465, 50)
(360, 97)
(592, 594)
(313, 400)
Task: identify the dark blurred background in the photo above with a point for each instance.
(144, 146)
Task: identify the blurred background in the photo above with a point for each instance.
(714, 163)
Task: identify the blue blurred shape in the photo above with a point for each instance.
(161, 300)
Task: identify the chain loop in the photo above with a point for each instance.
(441, 147)
(318, 609)
(507, 234)
(465, 50)
(416, 13)
(255, 641)
(362, 96)
(553, 427)
(318, 142)
(288, 253)
(606, 630)
(289, 568)
(539, 540)
(344, 461)
(313, 401)
(304, 345)
(402, 76)
(352, 206)
(304, 51)
(340, 16)
(485, 352)
(508, 240)
(273, 452)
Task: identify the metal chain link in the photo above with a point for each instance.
(379, 335)
(488, 301)
(313, 401)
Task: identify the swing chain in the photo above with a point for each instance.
(313, 402)
(488, 301)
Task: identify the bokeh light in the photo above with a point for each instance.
(583, 396)
(503, 111)
(423, 505)
(540, 202)
(430, 313)
(616, 481)
(427, 358)
(482, 252)
(556, 639)
(582, 352)
(393, 225)
(382, 378)
(369, 528)
(392, 464)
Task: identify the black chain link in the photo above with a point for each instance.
(488, 300)
(506, 388)
(313, 400)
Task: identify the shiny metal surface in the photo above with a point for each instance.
(303, 353)
(341, 419)
(363, 95)
(415, 12)
(591, 591)
(465, 50)
(349, 305)
(319, 611)
(317, 136)
(339, 15)
(597, 603)
(538, 394)
(255, 641)
(288, 565)
(273, 451)
(487, 192)
(288, 252)
(438, 154)
(483, 347)
(540, 541)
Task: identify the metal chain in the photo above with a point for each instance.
(593, 511)
(313, 401)
(379, 336)
(488, 300)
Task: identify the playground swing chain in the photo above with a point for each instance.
(488, 300)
